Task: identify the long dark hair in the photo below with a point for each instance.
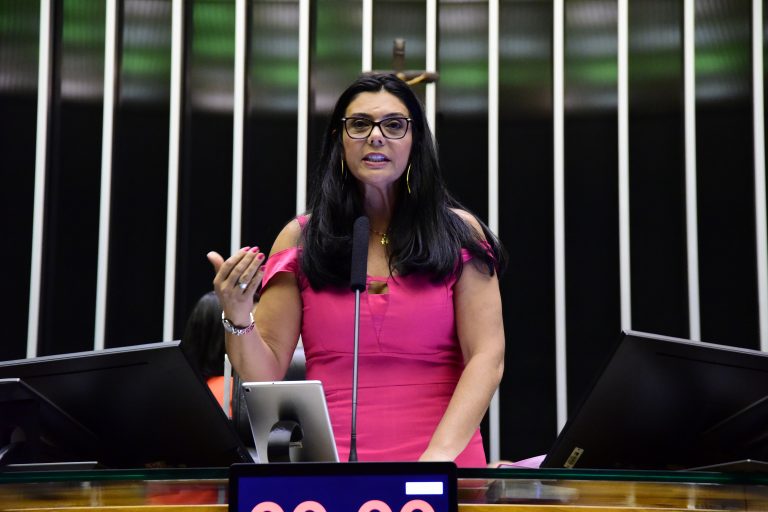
(203, 339)
(425, 236)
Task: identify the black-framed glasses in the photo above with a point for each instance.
(391, 127)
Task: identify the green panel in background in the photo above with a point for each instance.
(146, 51)
(337, 56)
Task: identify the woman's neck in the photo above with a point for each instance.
(379, 207)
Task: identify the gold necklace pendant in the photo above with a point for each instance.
(384, 237)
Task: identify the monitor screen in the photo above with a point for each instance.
(145, 405)
(356, 486)
(667, 403)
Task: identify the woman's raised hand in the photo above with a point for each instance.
(236, 281)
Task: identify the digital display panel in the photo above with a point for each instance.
(353, 487)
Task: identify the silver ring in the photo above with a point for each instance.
(242, 286)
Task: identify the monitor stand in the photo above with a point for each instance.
(736, 466)
(285, 435)
(743, 439)
(33, 430)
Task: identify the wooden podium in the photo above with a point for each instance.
(480, 490)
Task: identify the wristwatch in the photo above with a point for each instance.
(236, 329)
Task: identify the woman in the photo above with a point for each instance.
(431, 349)
(203, 342)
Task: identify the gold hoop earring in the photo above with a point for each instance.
(408, 179)
(343, 173)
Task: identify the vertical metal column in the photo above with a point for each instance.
(174, 147)
(493, 186)
(239, 109)
(367, 35)
(105, 201)
(558, 93)
(758, 118)
(691, 208)
(430, 90)
(238, 116)
(625, 274)
(303, 108)
(41, 163)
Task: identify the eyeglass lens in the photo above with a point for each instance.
(392, 128)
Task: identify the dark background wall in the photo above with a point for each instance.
(136, 272)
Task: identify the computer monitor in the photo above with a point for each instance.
(145, 405)
(666, 403)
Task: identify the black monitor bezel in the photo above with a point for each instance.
(658, 437)
(145, 403)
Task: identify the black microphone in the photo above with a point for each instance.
(359, 267)
(357, 282)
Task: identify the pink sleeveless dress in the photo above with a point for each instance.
(409, 361)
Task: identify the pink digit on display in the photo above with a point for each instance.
(267, 506)
(415, 505)
(309, 506)
(374, 505)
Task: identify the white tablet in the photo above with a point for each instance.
(289, 421)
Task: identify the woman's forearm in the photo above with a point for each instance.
(467, 406)
(252, 358)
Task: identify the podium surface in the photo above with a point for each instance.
(479, 490)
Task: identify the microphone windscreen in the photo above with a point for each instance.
(359, 267)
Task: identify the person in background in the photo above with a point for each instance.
(203, 343)
(431, 347)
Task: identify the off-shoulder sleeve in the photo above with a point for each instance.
(286, 260)
(466, 255)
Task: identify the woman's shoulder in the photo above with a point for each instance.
(290, 235)
(494, 254)
(470, 220)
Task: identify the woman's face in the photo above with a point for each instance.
(376, 160)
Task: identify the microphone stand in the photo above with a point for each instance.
(357, 283)
(353, 431)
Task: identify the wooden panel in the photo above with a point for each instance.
(475, 495)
